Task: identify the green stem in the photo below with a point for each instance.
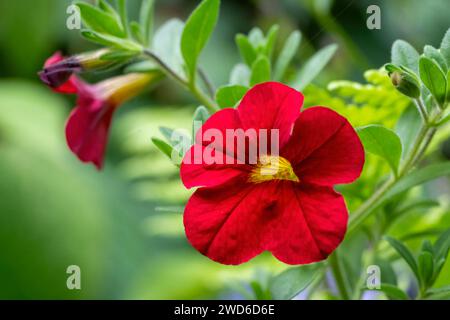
(196, 91)
(422, 110)
(339, 275)
(420, 146)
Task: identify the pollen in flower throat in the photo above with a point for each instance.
(272, 168)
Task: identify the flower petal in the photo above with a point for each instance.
(230, 224)
(314, 223)
(271, 105)
(324, 148)
(67, 82)
(87, 131)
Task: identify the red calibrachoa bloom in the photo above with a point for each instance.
(239, 211)
(87, 128)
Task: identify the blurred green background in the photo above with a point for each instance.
(123, 226)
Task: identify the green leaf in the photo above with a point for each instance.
(240, 75)
(112, 41)
(229, 96)
(404, 54)
(135, 29)
(248, 53)
(118, 55)
(197, 32)
(100, 21)
(434, 79)
(260, 71)
(142, 67)
(404, 252)
(445, 47)
(314, 66)
(146, 20)
(271, 40)
(200, 116)
(166, 45)
(291, 282)
(105, 6)
(123, 14)
(418, 177)
(393, 292)
(442, 293)
(382, 142)
(287, 54)
(434, 54)
(442, 245)
(426, 268)
(163, 147)
(407, 128)
(256, 38)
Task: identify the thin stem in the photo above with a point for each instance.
(202, 97)
(207, 82)
(339, 275)
(422, 110)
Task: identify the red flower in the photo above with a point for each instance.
(87, 128)
(283, 203)
(58, 74)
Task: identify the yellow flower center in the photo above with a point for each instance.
(272, 168)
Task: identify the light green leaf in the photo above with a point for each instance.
(229, 96)
(314, 66)
(404, 54)
(434, 79)
(434, 54)
(382, 142)
(200, 116)
(418, 177)
(240, 75)
(404, 252)
(287, 54)
(105, 6)
(142, 67)
(445, 47)
(291, 282)
(248, 53)
(100, 21)
(407, 128)
(112, 41)
(393, 292)
(197, 32)
(260, 71)
(146, 20)
(271, 40)
(166, 45)
(256, 38)
(442, 293)
(135, 29)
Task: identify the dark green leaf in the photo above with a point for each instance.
(197, 32)
(404, 252)
(382, 142)
(260, 71)
(434, 79)
(287, 54)
(229, 96)
(248, 53)
(393, 292)
(404, 54)
(314, 66)
(426, 268)
(291, 282)
(100, 21)
(442, 245)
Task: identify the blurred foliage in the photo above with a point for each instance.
(123, 226)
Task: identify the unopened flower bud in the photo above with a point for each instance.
(405, 83)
